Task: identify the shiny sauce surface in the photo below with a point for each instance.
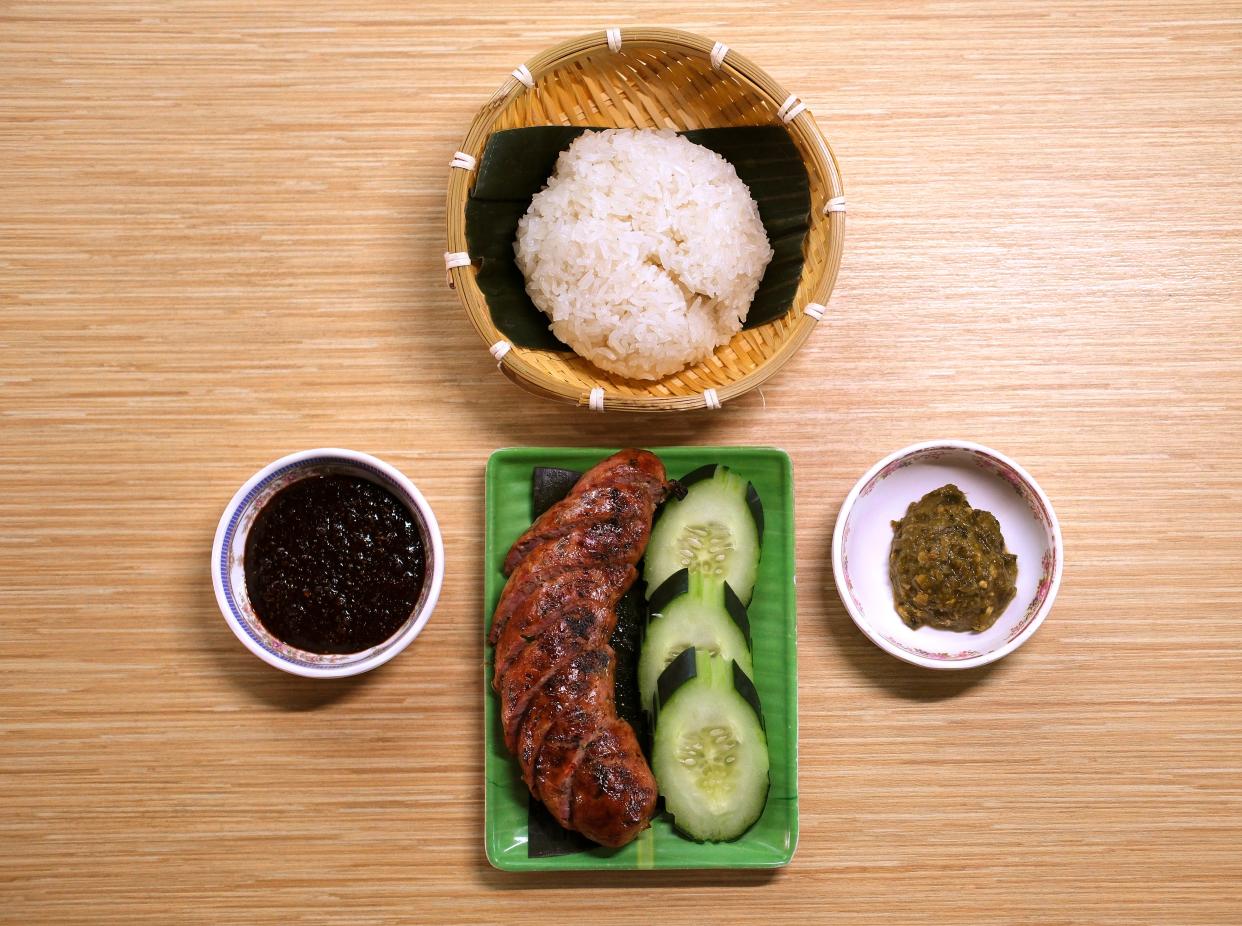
(334, 564)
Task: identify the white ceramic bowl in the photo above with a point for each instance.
(991, 481)
(228, 567)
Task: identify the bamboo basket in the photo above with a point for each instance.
(652, 78)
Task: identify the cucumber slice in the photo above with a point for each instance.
(692, 610)
(714, 530)
(710, 754)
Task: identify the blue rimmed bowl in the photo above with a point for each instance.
(228, 561)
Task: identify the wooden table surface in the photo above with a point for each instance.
(221, 228)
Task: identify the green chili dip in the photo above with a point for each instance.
(948, 564)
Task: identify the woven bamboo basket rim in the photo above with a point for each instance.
(530, 368)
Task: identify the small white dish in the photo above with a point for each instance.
(991, 481)
(228, 561)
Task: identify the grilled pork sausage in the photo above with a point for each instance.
(554, 670)
(629, 484)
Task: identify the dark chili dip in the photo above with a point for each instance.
(334, 564)
(948, 564)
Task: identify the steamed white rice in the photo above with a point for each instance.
(644, 250)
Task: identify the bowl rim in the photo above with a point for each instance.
(856, 614)
(399, 641)
(511, 360)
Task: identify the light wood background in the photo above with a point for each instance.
(221, 227)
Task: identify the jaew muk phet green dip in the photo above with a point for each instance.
(948, 564)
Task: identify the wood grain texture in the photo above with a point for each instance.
(221, 227)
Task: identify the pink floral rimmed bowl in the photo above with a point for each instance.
(991, 481)
(228, 565)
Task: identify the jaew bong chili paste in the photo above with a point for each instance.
(334, 564)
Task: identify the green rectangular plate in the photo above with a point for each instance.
(770, 843)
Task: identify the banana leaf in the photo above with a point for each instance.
(517, 163)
